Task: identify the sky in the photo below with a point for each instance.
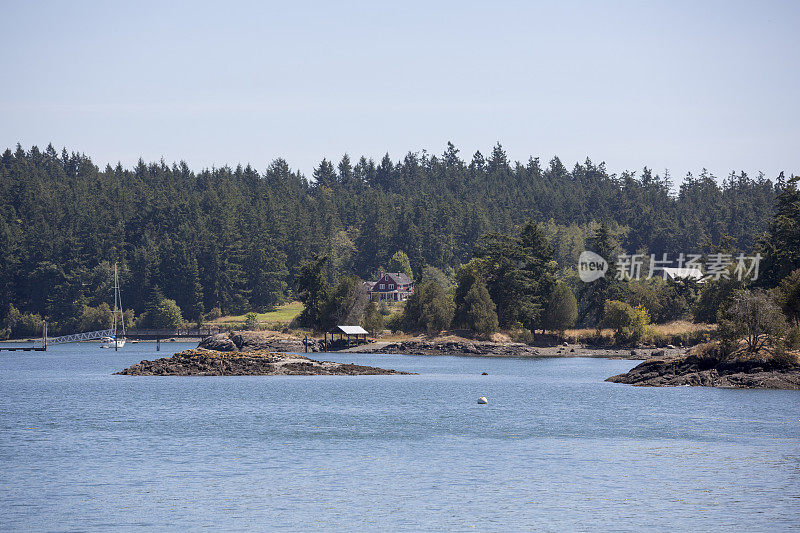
(676, 85)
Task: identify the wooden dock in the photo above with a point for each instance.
(23, 348)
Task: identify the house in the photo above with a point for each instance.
(693, 274)
(391, 286)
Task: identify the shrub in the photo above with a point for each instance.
(214, 314)
(788, 296)
(629, 323)
(793, 338)
(521, 335)
(22, 324)
(373, 320)
(754, 317)
(251, 322)
(395, 322)
(596, 338)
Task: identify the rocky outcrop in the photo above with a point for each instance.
(250, 341)
(202, 362)
(709, 372)
(457, 347)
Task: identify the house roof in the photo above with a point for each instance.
(681, 273)
(399, 278)
(353, 330)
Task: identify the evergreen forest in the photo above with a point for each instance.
(235, 239)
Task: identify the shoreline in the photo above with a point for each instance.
(695, 371)
(242, 341)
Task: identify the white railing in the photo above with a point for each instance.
(76, 337)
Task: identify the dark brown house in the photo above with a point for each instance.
(391, 286)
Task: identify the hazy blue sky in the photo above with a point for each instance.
(676, 85)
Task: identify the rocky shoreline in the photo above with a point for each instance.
(202, 362)
(248, 341)
(708, 372)
(252, 341)
(451, 347)
(466, 347)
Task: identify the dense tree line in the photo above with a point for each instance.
(234, 238)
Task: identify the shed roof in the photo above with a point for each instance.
(353, 330)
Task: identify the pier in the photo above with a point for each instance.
(150, 334)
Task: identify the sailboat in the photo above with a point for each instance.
(116, 341)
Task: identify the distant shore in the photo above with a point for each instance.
(444, 345)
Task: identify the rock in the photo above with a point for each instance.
(565, 344)
(484, 374)
(658, 353)
(572, 350)
(244, 341)
(670, 346)
(202, 362)
(220, 342)
(421, 347)
(482, 400)
(633, 353)
(708, 372)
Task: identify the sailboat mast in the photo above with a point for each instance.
(119, 300)
(116, 292)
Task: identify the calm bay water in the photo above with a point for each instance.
(556, 448)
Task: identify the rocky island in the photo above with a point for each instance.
(202, 362)
(695, 370)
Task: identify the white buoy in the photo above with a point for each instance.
(483, 400)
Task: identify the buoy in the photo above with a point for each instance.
(483, 400)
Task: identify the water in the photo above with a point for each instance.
(556, 448)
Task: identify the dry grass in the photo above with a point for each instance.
(676, 327)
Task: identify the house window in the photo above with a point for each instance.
(391, 286)
(382, 286)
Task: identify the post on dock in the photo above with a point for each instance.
(158, 344)
(305, 343)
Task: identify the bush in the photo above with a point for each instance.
(793, 338)
(521, 335)
(22, 324)
(251, 322)
(715, 296)
(788, 296)
(629, 323)
(373, 320)
(596, 338)
(395, 323)
(754, 317)
(214, 314)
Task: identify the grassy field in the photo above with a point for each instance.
(676, 327)
(283, 314)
